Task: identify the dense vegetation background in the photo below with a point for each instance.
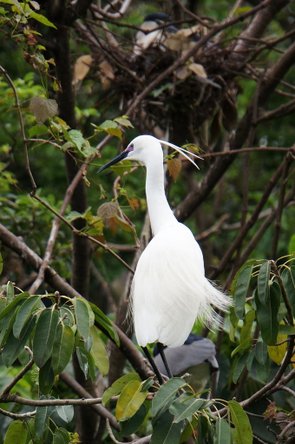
(75, 89)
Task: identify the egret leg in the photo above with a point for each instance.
(162, 353)
(154, 367)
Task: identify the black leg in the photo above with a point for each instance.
(161, 351)
(152, 362)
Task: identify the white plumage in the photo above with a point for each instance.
(169, 289)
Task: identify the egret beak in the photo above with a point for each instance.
(116, 159)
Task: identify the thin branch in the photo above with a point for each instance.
(32, 259)
(19, 376)
(81, 391)
(22, 127)
(280, 111)
(82, 233)
(283, 435)
(274, 383)
(256, 149)
(251, 244)
(251, 221)
(21, 416)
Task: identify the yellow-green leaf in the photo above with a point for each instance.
(118, 386)
(98, 351)
(130, 400)
(243, 430)
(277, 352)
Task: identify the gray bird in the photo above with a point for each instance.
(197, 357)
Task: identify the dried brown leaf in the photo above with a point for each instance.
(174, 167)
(198, 69)
(43, 108)
(81, 68)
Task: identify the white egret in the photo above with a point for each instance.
(169, 289)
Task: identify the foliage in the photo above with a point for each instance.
(65, 97)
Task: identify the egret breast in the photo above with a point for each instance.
(168, 287)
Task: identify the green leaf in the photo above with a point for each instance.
(41, 420)
(130, 400)
(76, 137)
(37, 130)
(61, 436)
(17, 432)
(86, 361)
(189, 407)
(46, 378)
(166, 394)
(288, 279)
(105, 324)
(165, 431)
(10, 293)
(246, 334)
(44, 336)
(243, 429)
(84, 317)
(222, 433)
(267, 314)
(118, 386)
(24, 313)
(110, 127)
(62, 348)
(42, 19)
(241, 286)
(124, 121)
(238, 366)
(14, 347)
(65, 412)
(132, 424)
(12, 303)
(263, 282)
(98, 351)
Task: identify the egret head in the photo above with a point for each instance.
(144, 148)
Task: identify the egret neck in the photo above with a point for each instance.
(159, 210)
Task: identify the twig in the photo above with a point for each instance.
(274, 384)
(280, 111)
(81, 391)
(81, 233)
(22, 128)
(19, 376)
(31, 258)
(255, 239)
(282, 435)
(288, 390)
(257, 149)
(246, 227)
(18, 415)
